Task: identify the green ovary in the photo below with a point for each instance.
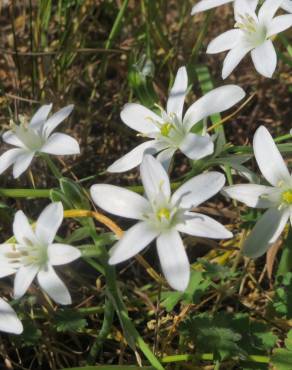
(165, 129)
(163, 213)
(287, 196)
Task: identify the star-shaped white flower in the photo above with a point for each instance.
(9, 322)
(209, 4)
(171, 131)
(277, 198)
(253, 34)
(35, 254)
(162, 216)
(35, 137)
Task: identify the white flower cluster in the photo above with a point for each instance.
(161, 215)
(252, 33)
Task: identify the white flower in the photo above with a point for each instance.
(162, 215)
(35, 254)
(253, 34)
(287, 5)
(9, 322)
(277, 198)
(209, 4)
(35, 137)
(171, 131)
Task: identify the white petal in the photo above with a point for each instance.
(233, 58)
(154, 178)
(198, 189)
(23, 279)
(6, 270)
(57, 118)
(140, 118)
(133, 158)
(9, 322)
(51, 283)
(208, 4)
(203, 226)
(268, 157)
(7, 265)
(215, 101)
(175, 102)
(287, 5)
(266, 232)
(279, 24)
(61, 144)
(196, 146)
(49, 222)
(119, 201)
(9, 157)
(253, 195)
(165, 157)
(243, 8)
(264, 58)
(40, 117)
(132, 242)
(22, 163)
(61, 254)
(22, 230)
(9, 137)
(268, 10)
(252, 4)
(174, 260)
(225, 41)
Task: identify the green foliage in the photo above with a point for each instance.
(69, 320)
(140, 78)
(228, 336)
(74, 194)
(282, 301)
(199, 284)
(111, 367)
(282, 357)
(30, 337)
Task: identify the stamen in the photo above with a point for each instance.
(247, 23)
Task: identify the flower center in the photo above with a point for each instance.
(29, 254)
(165, 128)
(163, 213)
(255, 32)
(29, 137)
(287, 196)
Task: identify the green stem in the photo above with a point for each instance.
(104, 331)
(114, 33)
(209, 357)
(25, 193)
(45, 193)
(283, 138)
(201, 36)
(54, 169)
(131, 334)
(130, 331)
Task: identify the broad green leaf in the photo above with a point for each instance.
(282, 359)
(69, 320)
